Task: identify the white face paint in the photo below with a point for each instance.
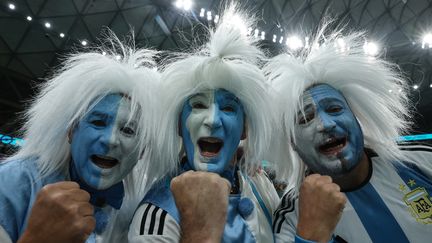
(328, 137)
(104, 144)
(212, 124)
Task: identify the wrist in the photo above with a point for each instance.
(313, 234)
(299, 239)
(26, 237)
(199, 237)
(194, 232)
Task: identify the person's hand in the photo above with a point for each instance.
(321, 204)
(202, 201)
(61, 213)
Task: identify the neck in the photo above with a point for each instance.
(356, 177)
(230, 173)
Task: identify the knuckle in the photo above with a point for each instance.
(84, 194)
(326, 179)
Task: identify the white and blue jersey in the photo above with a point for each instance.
(20, 182)
(248, 220)
(394, 205)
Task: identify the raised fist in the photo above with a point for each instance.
(60, 213)
(321, 204)
(202, 201)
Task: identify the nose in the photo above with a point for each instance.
(212, 119)
(111, 139)
(327, 123)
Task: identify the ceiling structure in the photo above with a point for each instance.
(29, 49)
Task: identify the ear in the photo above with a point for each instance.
(244, 134)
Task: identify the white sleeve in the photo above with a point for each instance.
(153, 224)
(285, 220)
(4, 237)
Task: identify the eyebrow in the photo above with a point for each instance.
(306, 108)
(332, 99)
(230, 97)
(199, 95)
(98, 114)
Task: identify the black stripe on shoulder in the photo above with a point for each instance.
(144, 218)
(287, 206)
(153, 220)
(415, 147)
(155, 224)
(162, 222)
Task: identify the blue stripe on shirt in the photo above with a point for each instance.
(377, 219)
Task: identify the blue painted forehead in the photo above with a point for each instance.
(324, 90)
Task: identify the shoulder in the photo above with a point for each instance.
(152, 222)
(418, 154)
(19, 184)
(17, 175)
(416, 148)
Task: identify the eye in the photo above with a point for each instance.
(199, 105)
(306, 118)
(128, 131)
(334, 109)
(98, 123)
(228, 109)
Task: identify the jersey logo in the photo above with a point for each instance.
(420, 205)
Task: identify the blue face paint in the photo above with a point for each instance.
(211, 124)
(103, 143)
(328, 137)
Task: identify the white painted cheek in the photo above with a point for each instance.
(122, 148)
(307, 138)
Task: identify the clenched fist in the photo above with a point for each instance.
(202, 201)
(61, 213)
(320, 207)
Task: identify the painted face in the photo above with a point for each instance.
(103, 144)
(212, 124)
(328, 137)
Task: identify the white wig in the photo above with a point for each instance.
(228, 61)
(83, 80)
(364, 81)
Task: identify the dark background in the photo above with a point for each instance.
(28, 49)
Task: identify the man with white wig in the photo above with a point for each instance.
(214, 98)
(84, 132)
(343, 112)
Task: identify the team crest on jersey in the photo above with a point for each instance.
(420, 204)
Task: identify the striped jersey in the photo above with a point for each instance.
(157, 219)
(394, 205)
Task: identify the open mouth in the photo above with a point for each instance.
(210, 146)
(104, 162)
(332, 146)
